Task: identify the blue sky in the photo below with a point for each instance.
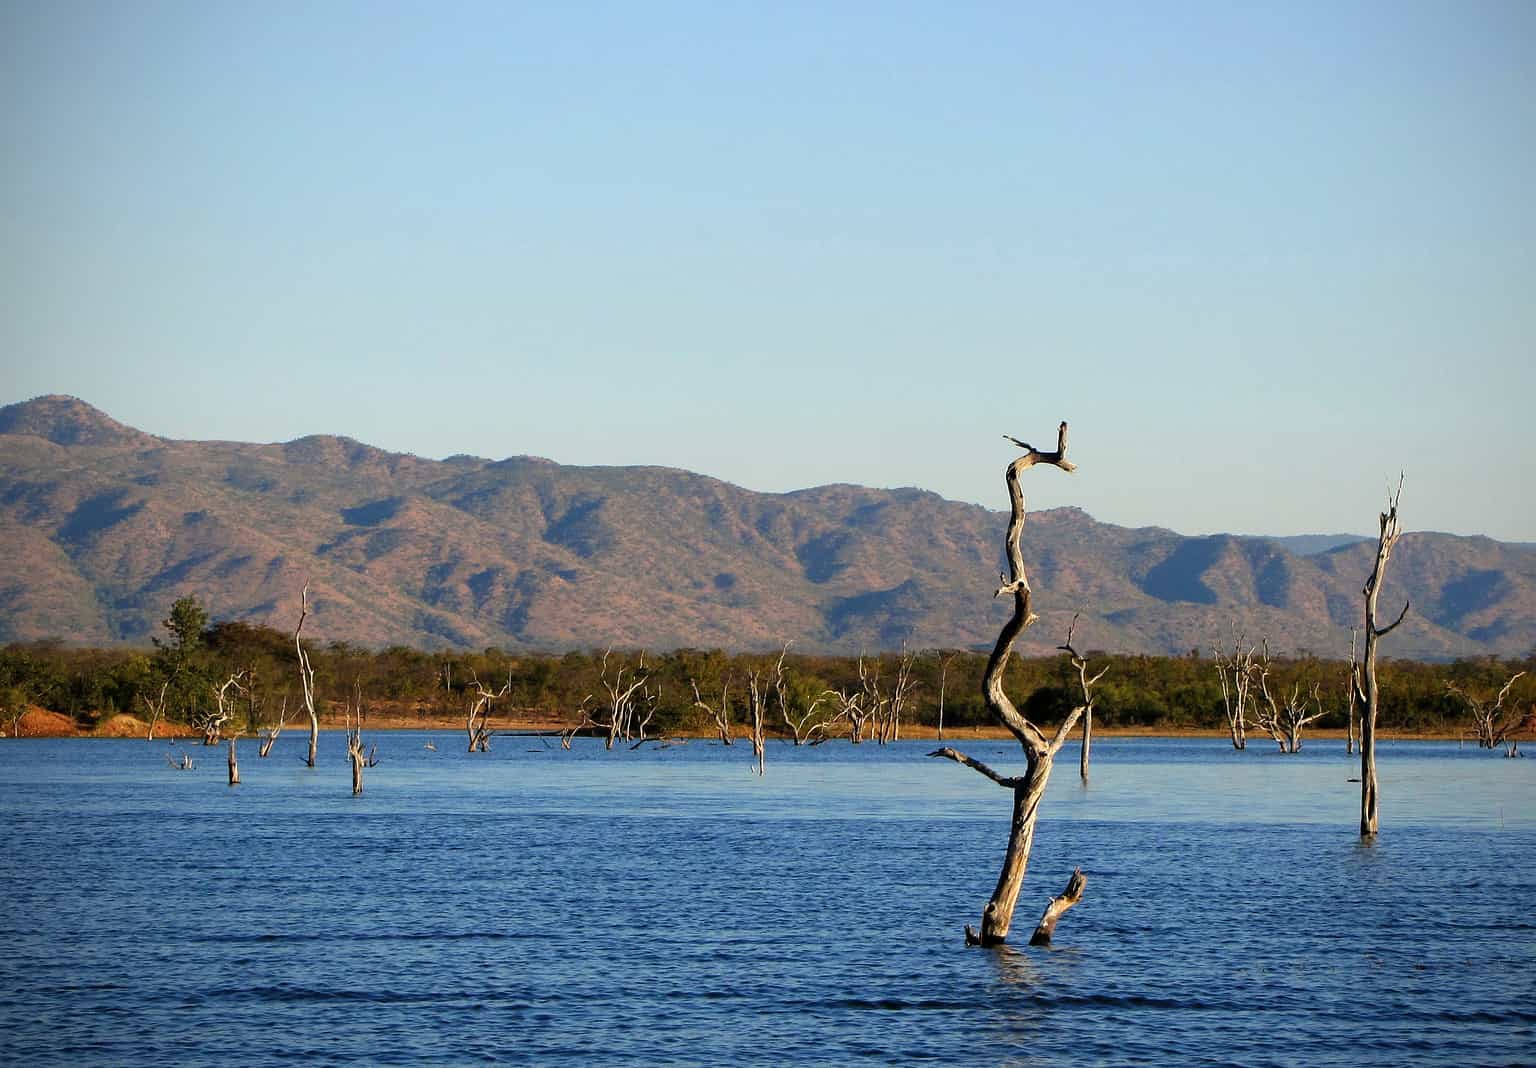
(1262, 256)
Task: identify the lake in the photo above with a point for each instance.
(666, 906)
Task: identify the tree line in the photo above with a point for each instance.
(182, 672)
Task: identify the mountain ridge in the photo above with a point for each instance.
(106, 525)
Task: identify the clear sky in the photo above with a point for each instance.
(1261, 256)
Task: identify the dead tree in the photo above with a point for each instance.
(355, 753)
(1352, 685)
(757, 699)
(1039, 751)
(901, 693)
(620, 715)
(1236, 673)
(273, 732)
(1369, 693)
(1284, 720)
(850, 708)
(185, 763)
(155, 708)
(1057, 906)
(720, 716)
(477, 723)
(211, 723)
(1087, 684)
(307, 678)
(806, 724)
(944, 662)
(1491, 726)
(234, 764)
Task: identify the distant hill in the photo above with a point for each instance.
(103, 526)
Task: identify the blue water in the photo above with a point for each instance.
(667, 906)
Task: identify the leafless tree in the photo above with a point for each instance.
(757, 700)
(1236, 673)
(182, 763)
(944, 662)
(1039, 751)
(234, 764)
(1086, 684)
(896, 702)
(1369, 693)
(211, 722)
(850, 707)
(477, 722)
(275, 730)
(1352, 685)
(307, 677)
(720, 716)
(1491, 725)
(805, 723)
(618, 717)
(155, 708)
(355, 753)
(1286, 718)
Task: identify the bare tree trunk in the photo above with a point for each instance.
(307, 678)
(271, 738)
(156, 708)
(1081, 664)
(1352, 684)
(1370, 800)
(1236, 673)
(722, 718)
(234, 764)
(1029, 788)
(944, 662)
(1056, 907)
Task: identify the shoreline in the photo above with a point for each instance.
(39, 723)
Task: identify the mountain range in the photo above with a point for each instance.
(103, 526)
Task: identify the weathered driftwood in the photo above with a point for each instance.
(307, 678)
(1491, 725)
(1039, 751)
(234, 764)
(1057, 906)
(1370, 797)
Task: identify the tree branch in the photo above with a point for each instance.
(960, 758)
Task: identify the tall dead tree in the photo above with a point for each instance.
(307, 677)
(1370, 797)
(1039, 751)
(1236, 673)
(1352, 685)
(757, 701)
(944, 662)
(1491, 726)
(234, 764)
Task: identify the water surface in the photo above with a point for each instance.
(667, 906)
